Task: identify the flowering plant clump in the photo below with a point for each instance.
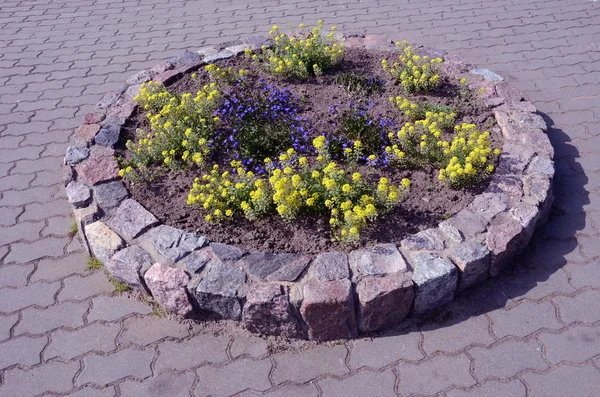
(355, 124)
(416, 74)
(419, 143)
(304, 53)
(294, 186)
(418, 110)
(468, 158)
(182, 126)
(261, 121)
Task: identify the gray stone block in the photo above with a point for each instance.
(131, 219)
(218, 290)
(435, 281)
(377, 260)
(469, 223)
(218, 56)
(109, 195)
(108, 135)
(429, 240)
(275, 267)
(488, 74)
(452, 233)
(488, 205)
(473, 260)
(79, 195)
(76, 154)
(129, 265)
(329, 266)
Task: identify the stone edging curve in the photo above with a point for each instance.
(332, 295)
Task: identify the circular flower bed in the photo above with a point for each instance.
(319, 157)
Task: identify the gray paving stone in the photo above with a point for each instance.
(564, 381)
(218, 382)
(361, 384)
(15, 275)
(78, 288)
(169, 384)
(584, 275)
(446, 371)
(55, 376)
(90, 392)
(142, 331)
(39, 321)
(22, 350)
(576, 345)
(524, 319)
(581, 307)
(112, 308)
(308, 365)
(513, 388)
(68, 344)
(253, 346)
(385, 350)
(8, 215)
(6, 323)
(58, 226)
(455, 334)
(179, 356)
(57, 269)
(506, 359)
(45, 247)
(292, 391)
(41, 294)
(21, 231)
(102, 370)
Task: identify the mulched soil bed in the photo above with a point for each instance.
(428, 202)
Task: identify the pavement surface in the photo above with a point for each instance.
(534, 331)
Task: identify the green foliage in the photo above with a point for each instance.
(119, 286)
(93, 263)
(74, 228)
(304, 53)
(359, 83)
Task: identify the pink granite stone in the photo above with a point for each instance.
(167, 285)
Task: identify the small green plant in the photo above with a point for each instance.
(490, 122)
(74, 228)
(362, 83)
(158, 310)
(93, 263)
(119, 286)
(304, 53)
(415, 73)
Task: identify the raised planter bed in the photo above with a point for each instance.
(324, 295)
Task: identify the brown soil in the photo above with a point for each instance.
(428, 202)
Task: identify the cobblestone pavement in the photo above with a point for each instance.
(532, 332)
